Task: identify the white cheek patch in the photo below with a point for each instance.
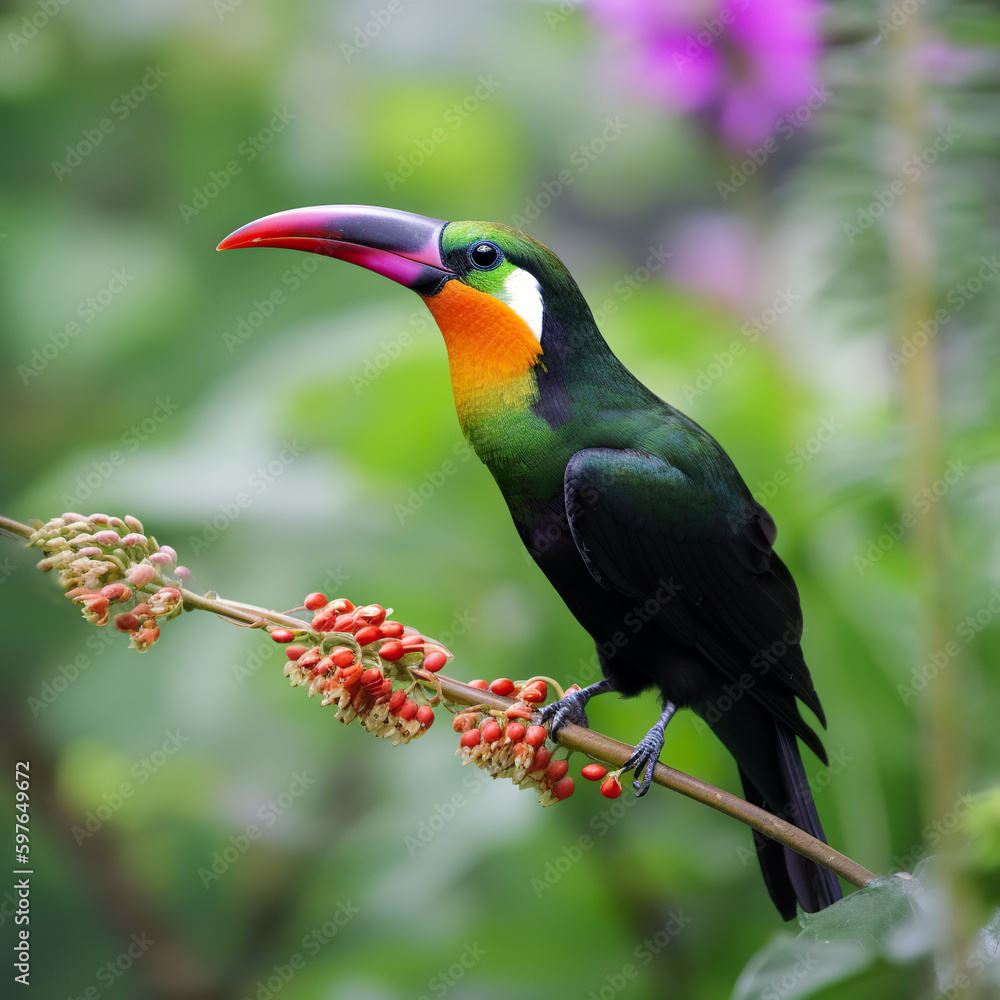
(523, 294)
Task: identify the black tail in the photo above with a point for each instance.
(789, 877)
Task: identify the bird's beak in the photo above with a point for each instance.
(398, 245)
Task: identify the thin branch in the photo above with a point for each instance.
(572, 737)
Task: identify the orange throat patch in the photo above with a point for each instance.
(491, 350)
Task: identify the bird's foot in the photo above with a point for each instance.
(647, 752)
(571, 708)
(643, 760)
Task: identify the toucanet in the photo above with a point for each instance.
(636, 515)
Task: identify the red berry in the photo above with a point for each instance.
(374, 614)
(385, 693)
(315, 601)
(534, 692)
(425, 716)
(408, 710)
(294, 651)
(541, 761)
(502, 686)
(351, 676)
(342, 656)
(344, 623)
(392, 630)
(324, 666)
(397, 700)
(367, 634)
(594, 772)
(518, 712)
(491, 731)
(310, 658)
(371, 677)
(434, 661)
(514, 731)
(564, 788)
(126, 622)
(341, 606)
(282, 634)
(481, 685)
(323, 621)
(470, 738)
(611, 788)
(391, 650)
(556, 770)
(535, 736)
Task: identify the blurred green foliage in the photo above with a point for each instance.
(136, 136)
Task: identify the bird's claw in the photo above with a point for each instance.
(568, 709)
(643, 760)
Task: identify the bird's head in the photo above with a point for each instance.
(494, 292)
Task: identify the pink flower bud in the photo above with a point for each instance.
(170, 551)
(182, 572)
(107, 538)
(160, 558)
(133, 539)
(141, 574)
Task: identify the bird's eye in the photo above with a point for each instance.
(485, 256)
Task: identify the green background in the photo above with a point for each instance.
(163, 404)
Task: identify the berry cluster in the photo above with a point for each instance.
(505, 745)
(355, 659)
(93, 555)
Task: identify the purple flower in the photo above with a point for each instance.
(746, 63)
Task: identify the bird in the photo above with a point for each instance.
(623, 501)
